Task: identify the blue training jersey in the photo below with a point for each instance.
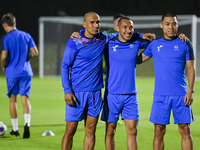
(169, 57)
(17, 43)
(121, 65)
(84, 58)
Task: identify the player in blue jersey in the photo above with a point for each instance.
(15, 62)
(120, 92)
(116, 18)
(170, 55)
(83, 61)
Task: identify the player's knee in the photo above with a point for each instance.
(160, 131)
(13, 99)
(184, 129)
(132, 131)
(25, 100)
(90, 129)
(110, 131)
(70, 131)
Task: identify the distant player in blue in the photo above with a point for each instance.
(82, 79)
(170, 55)
(15, 62)
(121, 93)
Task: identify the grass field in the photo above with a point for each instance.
(48, 113)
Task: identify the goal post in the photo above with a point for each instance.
(54, 32)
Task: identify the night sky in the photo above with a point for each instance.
(27, 12)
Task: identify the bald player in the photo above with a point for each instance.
(83, 59)
(83, 88)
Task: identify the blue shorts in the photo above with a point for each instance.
(88, 103)
(114, 104)
(162, 106)
(19, 85)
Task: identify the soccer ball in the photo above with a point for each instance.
(3, 128)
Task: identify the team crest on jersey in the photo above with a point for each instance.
(131, 46)
(176, 47)
(159, 47)
(115, 48)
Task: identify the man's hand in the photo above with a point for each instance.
(188, 100)
(148, 36)
(69, 98)
(4, 55)
(75, 34)
(183, 37)
(34, 52)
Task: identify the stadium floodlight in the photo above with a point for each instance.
(54, 32)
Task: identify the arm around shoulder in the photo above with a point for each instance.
(142, 58)
(148, 36)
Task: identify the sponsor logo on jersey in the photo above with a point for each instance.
(115, 48)
(176, 47)
(159, 47)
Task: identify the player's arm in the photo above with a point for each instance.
(68, 59)
(148, 36)
(144, 36)
(34, 52)
(146, 54)
(75, 34)
(191, 79)
(69, 97)
(136, 35)
(142, 58)
(65, 67)
(4, 55)
(108, 35)
(183, 37)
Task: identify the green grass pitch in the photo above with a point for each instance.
(48, 113)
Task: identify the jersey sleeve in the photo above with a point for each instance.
(189, 51)
(31, 42)
(111, 35)
(143, 43)
(148, 51)
(140, 34)
(68, 59)
(137, 35)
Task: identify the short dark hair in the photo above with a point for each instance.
(9, 19)
(118, 16)
(168, 14)
(120, 20)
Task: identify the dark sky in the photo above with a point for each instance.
(27, 12)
